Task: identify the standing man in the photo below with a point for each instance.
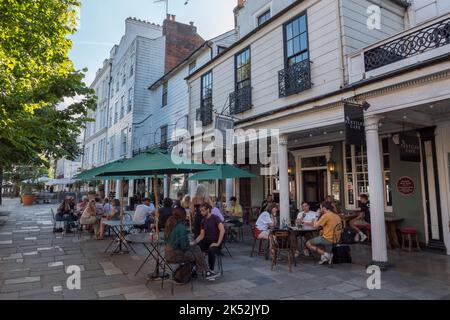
(210, 238)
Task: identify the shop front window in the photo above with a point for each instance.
(357, 177)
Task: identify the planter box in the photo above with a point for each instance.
(28, 200)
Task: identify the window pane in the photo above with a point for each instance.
(290, 48)
(303, 24)
(296, 27)
(296, 44)
(303, 42)
(289, 31)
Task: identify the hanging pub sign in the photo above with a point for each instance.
(225, 126)
(406, 186)
(409, 147)
(354, 125)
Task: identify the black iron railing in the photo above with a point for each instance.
(423, 40)
(295, 79)
(241, 100)
(205, 112)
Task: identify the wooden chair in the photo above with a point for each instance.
(261, 250)
(281, 242)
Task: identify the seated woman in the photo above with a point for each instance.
(89, 217)
(66, 213)
(178, 249)
(113, 215)
(266, 220)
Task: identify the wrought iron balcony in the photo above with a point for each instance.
(412, 44)
(205, 113)
(241, 100)
(295, 79)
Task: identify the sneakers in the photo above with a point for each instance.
(296, 253)
(211, 275)
(363, 237)
(326, 257)
(356, 238)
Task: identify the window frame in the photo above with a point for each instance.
(237, 69)
(354, 174)
(264, 15)
(123, 142)
(285, 39)
(164, 94)
(192, 66)
(130, 100)
(166, 140)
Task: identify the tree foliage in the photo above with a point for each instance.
(36, 74)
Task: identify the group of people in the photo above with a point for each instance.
(326, 219)
(91, 213)
(177, 218)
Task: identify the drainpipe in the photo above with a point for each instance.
(340, 42)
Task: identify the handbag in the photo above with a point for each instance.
(341, 254)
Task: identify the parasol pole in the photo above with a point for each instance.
(121, 213)
(155, 190)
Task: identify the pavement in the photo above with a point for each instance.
(34, 260)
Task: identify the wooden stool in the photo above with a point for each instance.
(409, 233)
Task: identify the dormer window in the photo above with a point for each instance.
(264, 17)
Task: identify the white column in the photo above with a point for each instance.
(229, 184)
(118, 189)
(130, 190)
(378, 226)
(284, 179)
(192, 188)
(106, 188)
(147, 184)
(229, 190)
(166, 187)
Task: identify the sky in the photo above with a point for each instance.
(102, 24)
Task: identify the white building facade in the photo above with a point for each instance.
(299, 65)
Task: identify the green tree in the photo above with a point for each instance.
(36, 74)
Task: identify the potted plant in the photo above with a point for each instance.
(28, 198)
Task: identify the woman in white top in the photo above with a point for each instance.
(107, 207)
(266, 221)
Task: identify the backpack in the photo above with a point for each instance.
(341, 254)
(348, 236)
(183, 273)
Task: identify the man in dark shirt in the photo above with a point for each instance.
(362, 219)
(210, 238)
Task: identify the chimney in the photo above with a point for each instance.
(240, 3)
(173, 17)
(191, 23)
(168, 17)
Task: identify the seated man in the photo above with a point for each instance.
(362, 219)
(234, 212)
(210, 238)
(266, 220)
(328, 222)
(145, 213)
(165, 212)
(306, 218)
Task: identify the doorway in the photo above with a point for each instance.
(314, 187)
